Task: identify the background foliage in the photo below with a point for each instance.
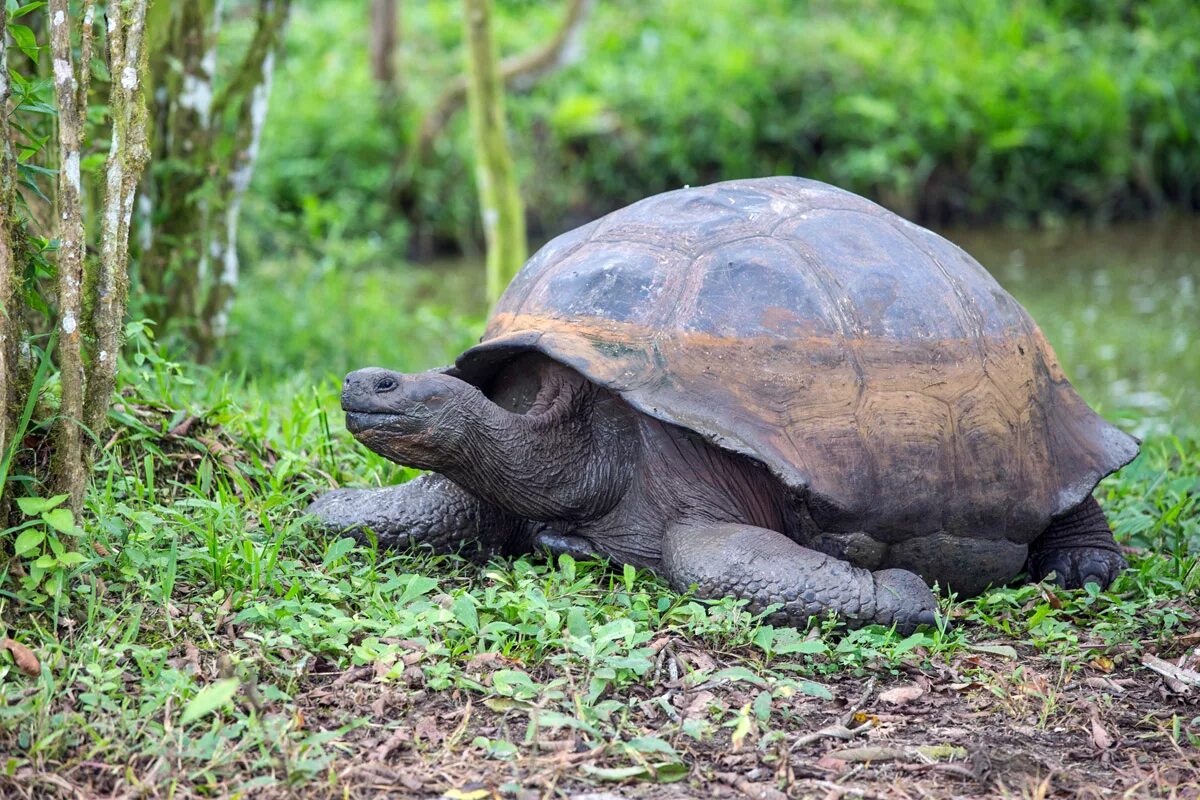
(942, 109)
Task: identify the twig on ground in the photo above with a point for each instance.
(1178, 679)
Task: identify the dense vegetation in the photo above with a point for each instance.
(954, 109)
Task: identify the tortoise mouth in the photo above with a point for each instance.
(359, 422)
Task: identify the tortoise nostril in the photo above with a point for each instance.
(385, 385)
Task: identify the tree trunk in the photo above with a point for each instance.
(385, 38)
(499, 195)
(127, 158)
(205, 148)
(10, 333)
(69, 474)
(248, 93)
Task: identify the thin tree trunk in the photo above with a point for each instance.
(499, 195)
(250, 89)
(520, 71)
(127, 157)
(175, 267)
(70, 476)
(10, 333)
(385, 37)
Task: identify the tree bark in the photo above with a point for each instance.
(251, 91)
(499, 195)
(69, 474)
(10, 333)
(175, 267)
(127, 157)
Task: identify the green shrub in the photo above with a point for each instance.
(941, 109)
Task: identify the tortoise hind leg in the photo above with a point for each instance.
(766, 567)
(1078, 548)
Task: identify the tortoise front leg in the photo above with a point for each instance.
(429, 510)
(766, 567)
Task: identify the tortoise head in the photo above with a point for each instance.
(565, 454)
(415, 420)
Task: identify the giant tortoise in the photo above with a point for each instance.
(772, 389)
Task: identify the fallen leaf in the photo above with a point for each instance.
(831, 763)
(867, 754)
(1004, 650)
(428, 730)
(1107, 684)
(1100, 736)
(697, 707)
(183, 427)
(479, 661)
(1051, 598)
(25, 659)
(901, 694)
(469, 792)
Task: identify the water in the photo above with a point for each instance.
(1119, 305)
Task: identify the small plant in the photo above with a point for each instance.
(46, 544)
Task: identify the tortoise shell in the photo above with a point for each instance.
(878, 370)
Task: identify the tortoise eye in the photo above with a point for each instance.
(385, 385)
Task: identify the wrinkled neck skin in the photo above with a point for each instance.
(567, 457)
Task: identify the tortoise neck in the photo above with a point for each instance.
(565, 458)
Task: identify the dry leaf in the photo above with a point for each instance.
(25, 659)
(871, 753)
(697, 707)
(427, 729)
(1107, 684)
(901, 694)
(1100, 736)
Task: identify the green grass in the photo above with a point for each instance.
(185, 653)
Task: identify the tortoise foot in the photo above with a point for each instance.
(1075, 566)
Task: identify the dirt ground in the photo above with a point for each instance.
(989, 725)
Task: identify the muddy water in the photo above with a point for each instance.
(1120, 305)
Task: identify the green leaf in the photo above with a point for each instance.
(28, 541)
(32, 506)
(25, 9)
(650, 744)
(513, 682)
(803, 646)
(577, 624)
(61, 519)
(614, 773)
(338, 549)
(72, 559)
(814, 690)
(994, 649)
(464, 611)
(25, 40)
(209, 699)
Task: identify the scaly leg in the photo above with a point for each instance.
(429, 510)
(766, 567)
(1078, 548)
